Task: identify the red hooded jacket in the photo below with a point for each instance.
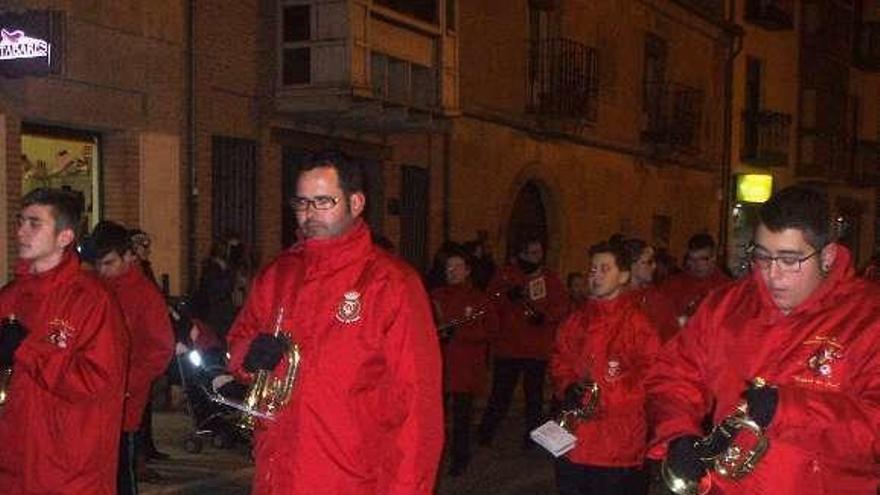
(517, 338)
(613, 343)
(465, 354)
(365, 416)
(685, 291)
(658, 308)
(151, 337)
(823, 357)
(60, 427)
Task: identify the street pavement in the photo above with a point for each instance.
(503, 469)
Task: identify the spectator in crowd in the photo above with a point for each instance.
(214, 297)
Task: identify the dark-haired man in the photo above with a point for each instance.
(607, 341)
(810, 328)
(150, 334)
(59, 427)
(531, 305)
(365, 412)
(685, 290)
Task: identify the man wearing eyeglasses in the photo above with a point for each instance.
(804, 323)
(365, 412)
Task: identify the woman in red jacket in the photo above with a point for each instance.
(465, 321)
(609, 341)
(653, 302)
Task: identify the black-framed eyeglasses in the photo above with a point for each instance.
(785, 263)
(300, 203)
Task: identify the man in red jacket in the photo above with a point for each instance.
(59, 427)
(365, 413)
(685, 290)
(532, 303)
(150, 336)
(610, 342)
(466, 320)
(807, 325)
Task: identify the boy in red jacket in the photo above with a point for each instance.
(608, 341)
(59, 428)
(149, 330)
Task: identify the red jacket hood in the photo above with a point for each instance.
(841, 272)
(46, 281)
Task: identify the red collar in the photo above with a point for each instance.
(47, 281)
(841, 272)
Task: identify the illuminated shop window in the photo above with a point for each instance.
(63, 159)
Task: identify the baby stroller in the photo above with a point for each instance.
(201, 364)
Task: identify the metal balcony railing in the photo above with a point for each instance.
(766, 137)
(774, 15)
(673, 114)
(563, 80)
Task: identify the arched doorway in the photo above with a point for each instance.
(528, 217)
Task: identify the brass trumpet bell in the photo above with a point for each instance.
(267, 393)
(734, 460)
(568, 419)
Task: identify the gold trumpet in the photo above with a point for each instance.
(268, 393)
(6, 371)
(446, 330)
(731, 461)
(569, 418)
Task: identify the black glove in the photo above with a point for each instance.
(516, 293)
(12, 332)
(573, 396)
(683, 459)
(762, 402)
(264, 353)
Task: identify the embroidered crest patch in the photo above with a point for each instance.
(349, 310)
(825, 365)
(60, 333)
(821, 363)
(613, 370)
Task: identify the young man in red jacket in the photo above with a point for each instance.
(610, 342)
(467, 321)
(365, 414)
(531, 303)
(701, 275)
(150, 336)
(810, 328)
(59, 427)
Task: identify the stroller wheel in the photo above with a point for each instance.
(221, 440)
(192, 444)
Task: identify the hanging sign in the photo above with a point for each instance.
(30, 43)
